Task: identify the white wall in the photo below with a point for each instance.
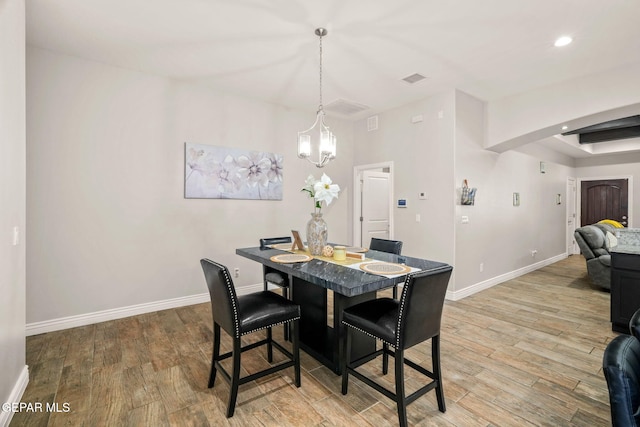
(423, 157)
(499, 235)
(109, 226)
(12, 202)
(435, 156)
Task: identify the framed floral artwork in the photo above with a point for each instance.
(213, 172)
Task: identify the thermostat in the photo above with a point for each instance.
(402, 203)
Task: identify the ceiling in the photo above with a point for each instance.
(267, 49)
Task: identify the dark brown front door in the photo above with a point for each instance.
(605, 199)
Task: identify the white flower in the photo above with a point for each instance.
(322, 190)
(325, 190)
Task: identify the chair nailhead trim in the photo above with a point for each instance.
(229, 284)
(403, 299)
(367, 333)
(269, 326)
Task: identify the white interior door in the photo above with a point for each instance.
(375, 206)
(572, 196)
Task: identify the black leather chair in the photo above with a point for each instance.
(621, 366)
(276, 277)
(401, 324)
(273, 276)
(389, 246)
(243, 315)
(634, 324)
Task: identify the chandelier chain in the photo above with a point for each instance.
(320, 105)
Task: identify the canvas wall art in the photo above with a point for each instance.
(213, 172)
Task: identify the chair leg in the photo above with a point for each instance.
(395, 292)
(216, 353)
(437, 373)
(345, 361)
(385, 358)
(296, 350)
(400, 397)
(269, 345)
(235, 377)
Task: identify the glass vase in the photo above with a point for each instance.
(316, 234)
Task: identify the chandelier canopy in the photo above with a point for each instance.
(318, 135)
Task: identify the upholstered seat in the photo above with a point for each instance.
(243, 315)
(415, 318)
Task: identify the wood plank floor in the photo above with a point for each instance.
(525, 352)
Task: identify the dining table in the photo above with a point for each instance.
(324, 287)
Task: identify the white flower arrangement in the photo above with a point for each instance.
(321, 190)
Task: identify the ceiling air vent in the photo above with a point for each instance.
(372, 123)
(414, 78)
(345, 108)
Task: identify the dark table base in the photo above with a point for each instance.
(320, 340)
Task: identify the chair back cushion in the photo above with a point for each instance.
(590, 238)
(421, 304)
(273, 240)
(224, 301)
(621, 366)
(384, 245)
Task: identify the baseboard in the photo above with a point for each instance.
(133, 310)
(470, 290)
(15, 396)
(122, 312)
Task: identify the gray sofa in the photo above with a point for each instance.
(594, 246)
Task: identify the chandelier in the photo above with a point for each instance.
(318, 135)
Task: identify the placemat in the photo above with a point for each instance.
(384, 268)
(282, 246)
(360, 266)
(291, 258)
(356, 249)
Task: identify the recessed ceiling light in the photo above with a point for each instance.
(565, 127)
(563, 41)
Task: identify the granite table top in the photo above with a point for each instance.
(626, 249)
(339, 278)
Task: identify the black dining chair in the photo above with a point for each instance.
(389, 246)
(621, 367)
(270, 275)
(415, 318)
(242, 315)
(275, 277)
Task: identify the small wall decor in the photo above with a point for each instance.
(468, 194)
(213, 172)
(516, 199)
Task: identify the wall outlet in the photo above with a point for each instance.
(236, 272)
(481, 267)
(534, 253)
